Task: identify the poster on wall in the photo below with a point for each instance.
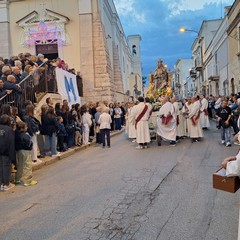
(67, 86)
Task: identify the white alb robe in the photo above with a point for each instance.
(142, 130)
(195, 130)
(182, 126)
(169, 131)
(131, 123)
(203, 117)
(185, 111)
(233, 167)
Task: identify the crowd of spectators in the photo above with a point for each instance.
(25, 75)
(59, 128)
(232, 102)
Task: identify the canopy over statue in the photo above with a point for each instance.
(159, 81)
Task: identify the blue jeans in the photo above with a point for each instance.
(51, 144)
(70, 138)
(118, 123)
(226, 134)
(105, 132)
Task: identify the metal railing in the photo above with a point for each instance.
(34, 86)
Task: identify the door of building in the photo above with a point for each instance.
(49, 50)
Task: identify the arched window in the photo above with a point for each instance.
(134, 50)
(232, 85)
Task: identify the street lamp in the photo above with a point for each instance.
(182, 29)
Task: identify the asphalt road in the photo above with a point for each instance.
(121, 193)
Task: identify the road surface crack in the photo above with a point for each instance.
(33, 205)
(170, 216)
(124, 214)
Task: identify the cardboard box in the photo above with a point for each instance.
(224, 183)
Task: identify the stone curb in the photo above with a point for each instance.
(50, 160)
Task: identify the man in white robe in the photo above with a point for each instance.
(181, 129)
(150, 107)
(204, 113)
(166, 122)
(131, 122)
(194, 117)
(141, 116)
(185, 111)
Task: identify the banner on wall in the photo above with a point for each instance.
(67, 86)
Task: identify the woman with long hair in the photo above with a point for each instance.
(43, 131)
(33, 129)
(51, 133)
(58, 109)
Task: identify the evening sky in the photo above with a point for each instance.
(158, 23)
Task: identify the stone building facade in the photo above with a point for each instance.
(233, 33)
(87, 34)
(183, 84)
(217, 60)
(201, 44)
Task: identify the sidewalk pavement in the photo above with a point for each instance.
(49, 160)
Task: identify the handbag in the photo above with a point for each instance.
(97, 129)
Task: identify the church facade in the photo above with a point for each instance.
(87, 34)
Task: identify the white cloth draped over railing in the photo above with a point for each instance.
(67, 86)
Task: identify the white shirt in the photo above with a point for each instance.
(105, 121)
(86, 119)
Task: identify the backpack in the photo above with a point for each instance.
(70, 128)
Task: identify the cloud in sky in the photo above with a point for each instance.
(177, 6)
(158, 22)
(126, 8)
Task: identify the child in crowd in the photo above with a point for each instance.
(105, 121)
(61, 134)
(86, 124)
(23, 145)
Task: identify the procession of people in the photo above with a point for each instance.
(187, 118)
(175, 120)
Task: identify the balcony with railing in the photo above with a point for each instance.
(193, 73)
(213, 73)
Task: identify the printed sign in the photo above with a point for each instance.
(67, 86)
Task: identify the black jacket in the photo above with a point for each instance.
(32, 123)
(23, 141)
(61, 132)
(44, 120)
(52, 126)
(7, 143)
